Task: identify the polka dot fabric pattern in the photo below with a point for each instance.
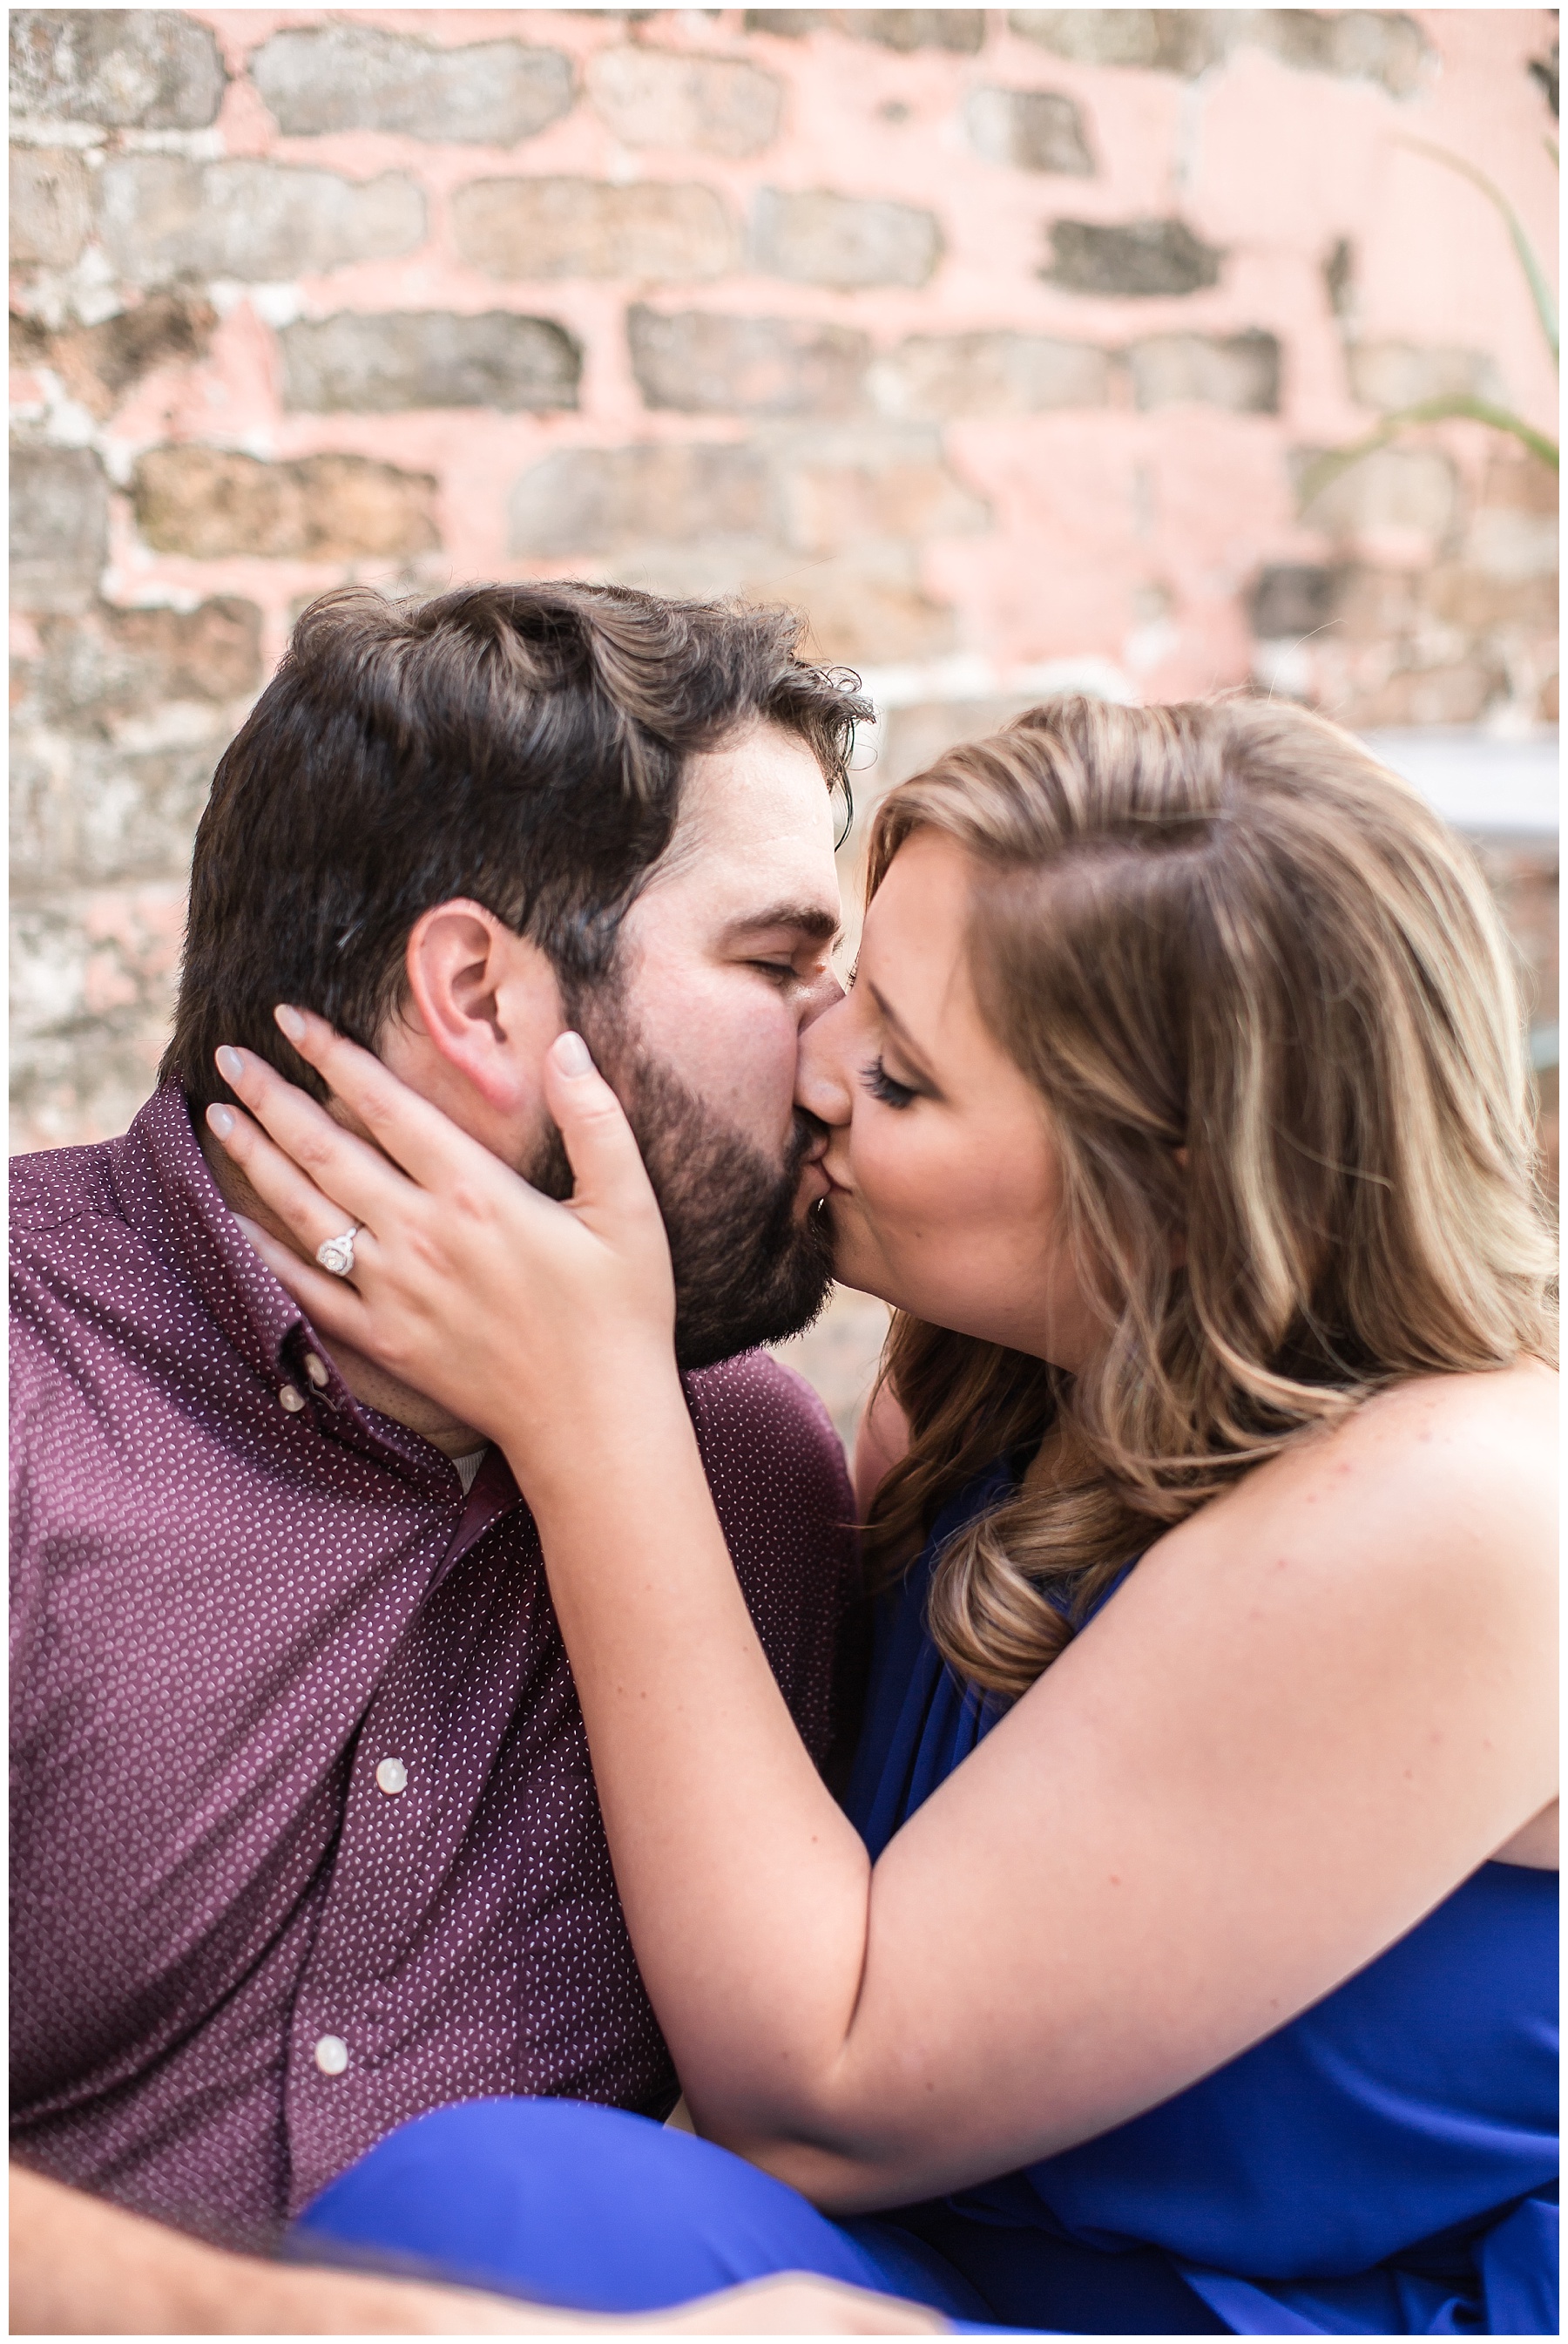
(239, 1959)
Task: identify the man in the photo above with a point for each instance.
(306, 1836)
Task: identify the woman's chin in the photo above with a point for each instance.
(861, 1277)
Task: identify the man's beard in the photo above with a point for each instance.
(747, 1268)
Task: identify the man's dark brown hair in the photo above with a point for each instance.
(521, 745)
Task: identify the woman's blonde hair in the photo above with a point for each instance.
(1272, 1017)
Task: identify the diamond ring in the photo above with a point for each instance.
(336, 1254)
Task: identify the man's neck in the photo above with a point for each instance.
(364, 1379)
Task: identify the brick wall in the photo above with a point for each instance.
(997, 341)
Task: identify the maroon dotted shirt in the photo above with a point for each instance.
(305, 1838)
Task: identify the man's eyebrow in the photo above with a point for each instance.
(812, 921)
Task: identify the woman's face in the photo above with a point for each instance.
(946, 1195)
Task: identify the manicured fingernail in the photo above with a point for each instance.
(572, 1053)
(290, 1021)
(230, 1065)
(221, 1117)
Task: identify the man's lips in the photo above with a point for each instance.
(815, 1183)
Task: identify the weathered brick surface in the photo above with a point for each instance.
(211, 501)
(820, 238)
(1136, 258)
(93, 973)
(378, 365)
(1398, 488)
(1161, 40)
(959, 31)
(111, 664)
(127, 68)
(99, 364)
(525, 228)
(783, 302)
(857, 488)
(1029, 130)
(867, 607)
(1358, 45)
(590, 501)
(122, 816)
(700, 362)
(1291, 598)
(51, 209)
(955, 375)
(1400, 374)
(162, 215)
(718, 106)
(1238, 372)
(347, 76)
(59, 526)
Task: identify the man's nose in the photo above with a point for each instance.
(821, 1087)
(823, 993)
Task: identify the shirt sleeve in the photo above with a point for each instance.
(779, 1483)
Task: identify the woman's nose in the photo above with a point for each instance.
(821, 1077)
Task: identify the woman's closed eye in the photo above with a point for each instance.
(883, 1086)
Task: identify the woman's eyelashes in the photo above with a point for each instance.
(881, 1086)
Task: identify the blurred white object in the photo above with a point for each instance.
(1491, 786)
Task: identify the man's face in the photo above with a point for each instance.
(722, 961)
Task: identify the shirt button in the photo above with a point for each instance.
(316, 1369)
(391, 1776)
(291, 1399)
(331, 2054)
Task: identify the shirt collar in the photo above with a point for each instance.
(173, 1200)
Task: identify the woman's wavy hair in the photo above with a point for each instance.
(1272, 1017)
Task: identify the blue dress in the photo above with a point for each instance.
(1385, 2164)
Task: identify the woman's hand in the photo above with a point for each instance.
(516, 1313)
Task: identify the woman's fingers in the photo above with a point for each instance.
(606, 1164)
(331, 1304)
(407, 1128)
(300, 1154)
(305, 1211)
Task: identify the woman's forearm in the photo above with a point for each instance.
(746, 1889)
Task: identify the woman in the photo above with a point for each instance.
(1197, 1874)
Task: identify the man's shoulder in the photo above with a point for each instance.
(764, 1428)
(61, 1187)
(776, 1468)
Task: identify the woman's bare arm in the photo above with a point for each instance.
(1311, 1711)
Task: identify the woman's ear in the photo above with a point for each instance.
(483, 1003)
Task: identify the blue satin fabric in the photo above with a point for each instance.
(593, 2209)
(1386, 2164)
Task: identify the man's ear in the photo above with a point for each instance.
(485, 1001)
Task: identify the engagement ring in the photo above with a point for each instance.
(337, 1254)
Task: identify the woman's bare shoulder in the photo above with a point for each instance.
(1456, 1458)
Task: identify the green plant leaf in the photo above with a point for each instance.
(1327, 468)
(1535, 275)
